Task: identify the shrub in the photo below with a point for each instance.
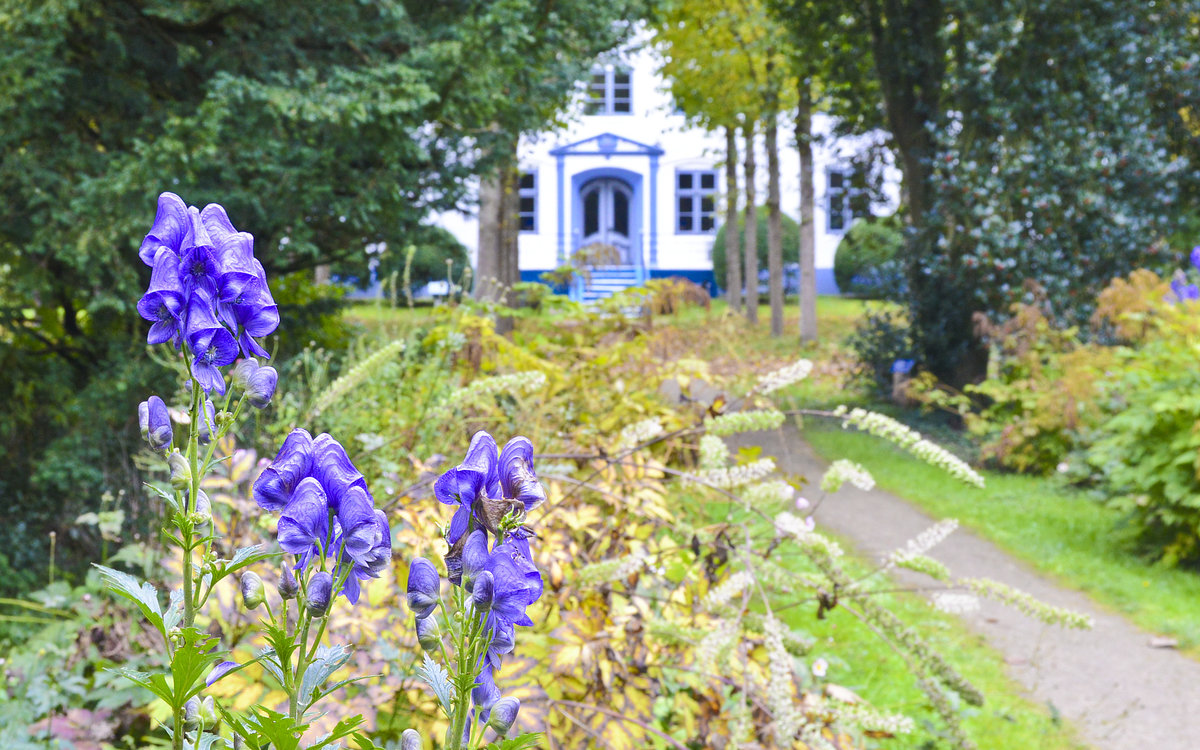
(879, 340)
(865, 265)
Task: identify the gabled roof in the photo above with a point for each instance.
(607, 144)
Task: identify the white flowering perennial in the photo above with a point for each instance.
(801, 529)
(714, 454)
(842, 471)
(513, 382)
(716, 644)
(784, 377)
(780, 685)
(732, 586)
(955, 602)
(910, 440)
(639, 432)
(744, 421)
(736, 476)
(615, 569)
(922, 543)
(863, 717)
(769, 494)
(355, 377)
(1025, 603)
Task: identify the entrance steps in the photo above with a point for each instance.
(608, 280)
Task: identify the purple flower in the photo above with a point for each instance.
(260, 387)
(320, 591)
(304, 524)
(211, 343)
(156, 424)
(1196, 257)
(163, 303)
(288, 586)
(219, 671)
(333, 468)
(274, 486)
(170, 227)
(234, 251)
(476, 476)
(423, 584)
(483, 592)
(429, 635)
(360, 532)
(208, 423)
(485, 693)
(503, 714)
(517, 478)
(1184, 292)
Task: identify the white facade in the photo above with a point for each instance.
(629, 172)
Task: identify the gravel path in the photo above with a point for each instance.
(1117, 690)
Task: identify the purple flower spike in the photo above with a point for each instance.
(334, 469)
(260, 388)
(275, 485)
(158, 424)
(483, 592)
(518, 584)
(304, 524)
(1196, 257)
(163, 303)
(485, 693)
(211, 343)
(219, 671)
(361, 533)
(423, 584)
(517, 478)
(475, 557)
(198, 268)
(170, 227)
(320, 591)
(481, 457)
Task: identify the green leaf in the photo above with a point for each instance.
(189, 663)
(141, 594)
(436, 677)
(520, 742)
(147, 680)
(328, 660)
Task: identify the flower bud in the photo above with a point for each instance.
(252, 590)
(144, 419)
(288, 588)
(320, 590)
(429, 635)
(423, 585)
(208, 717)
(483, 591)
(242, 372)
(202, 510)
(260, 387)
(208, 423)
(181, 471)
(191, 711)
(504, 713)
(157, 427)
(410, 740)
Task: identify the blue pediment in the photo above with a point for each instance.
(607, 144)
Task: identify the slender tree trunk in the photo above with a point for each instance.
(733, 255)
(487, 265)
(751, 231)
(497, 266)
(808, 237)
(774, 228)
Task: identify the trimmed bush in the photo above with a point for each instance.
(865, 262)
(791, 244)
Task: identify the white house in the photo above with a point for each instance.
(629, 172)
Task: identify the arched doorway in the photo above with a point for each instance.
(607, 203)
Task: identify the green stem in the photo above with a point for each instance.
(189, 604)
(301, 665)
(177, 731)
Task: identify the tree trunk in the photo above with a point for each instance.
(774, 228)
(751, 231)
(498, 266)
(487, 265)
(733, 254)
(808, 237)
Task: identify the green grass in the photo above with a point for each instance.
(1059, 531)
(861, 661)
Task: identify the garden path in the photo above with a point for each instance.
(1117, 690)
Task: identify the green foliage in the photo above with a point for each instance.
(433, 246)
(791, 241)
(865, 264)
(881, 337)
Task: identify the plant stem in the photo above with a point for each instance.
(189, 605)
(301, 665)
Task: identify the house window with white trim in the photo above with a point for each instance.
(843, 203)
(609, 91)
(527, 195)
(696, 202)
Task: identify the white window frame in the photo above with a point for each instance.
(696, 193)
(834, 196)
(602, 99)
(522, 194)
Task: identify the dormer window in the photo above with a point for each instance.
(609, 91)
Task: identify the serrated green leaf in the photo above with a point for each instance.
(436, 677)
(328, 660)
(141, 594)
(520, 742)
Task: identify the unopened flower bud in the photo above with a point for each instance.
(157, 425)
(483, 591)
(423, 585)
(252, 590)
(202, 510)
(191, 711)
(242, 372)
(320, 591)
(208, 712)
(181, 471)
(208, 422)
(429, 635)
(504, 713)
(288, 588)
(410, 740)
(260, 387)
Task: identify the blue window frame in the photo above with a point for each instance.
(527, 195)
(696, 201)
(609, 91)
